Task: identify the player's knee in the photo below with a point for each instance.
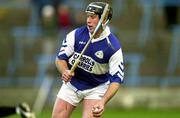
(63, 113)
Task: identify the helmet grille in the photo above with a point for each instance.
(97, 8)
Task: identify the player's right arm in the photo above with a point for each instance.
(66, 50)
(62, 67)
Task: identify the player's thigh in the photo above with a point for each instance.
(62, 109)
(87, 107)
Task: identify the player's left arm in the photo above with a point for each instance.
(99, 107)
(116, 69)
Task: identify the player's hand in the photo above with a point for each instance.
(67, 75)
(98, 109)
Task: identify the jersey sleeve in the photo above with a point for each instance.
(67, 47)
(116, 67)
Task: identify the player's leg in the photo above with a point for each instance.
(62, 109)
(93, 96)
(87, 107)
(66, 102)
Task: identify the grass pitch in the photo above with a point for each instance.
(122, 113)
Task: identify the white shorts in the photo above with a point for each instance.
(73, 96)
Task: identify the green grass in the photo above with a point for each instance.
(121, 113)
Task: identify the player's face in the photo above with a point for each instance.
(92, 21)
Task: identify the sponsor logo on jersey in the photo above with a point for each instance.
(85, 63)
(99, 54)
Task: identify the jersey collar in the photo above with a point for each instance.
(103, 35)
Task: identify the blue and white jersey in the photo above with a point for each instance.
(101, 62)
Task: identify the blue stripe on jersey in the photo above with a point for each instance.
(115, 78)
(64, 46)
(86, 80)
(63, 57)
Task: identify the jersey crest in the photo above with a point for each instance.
(99, 54)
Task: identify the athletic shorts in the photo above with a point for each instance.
(73, 96)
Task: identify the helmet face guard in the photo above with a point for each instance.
(98, 8)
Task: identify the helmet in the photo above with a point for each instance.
(98, 8)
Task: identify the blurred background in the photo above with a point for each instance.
(31, 32)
